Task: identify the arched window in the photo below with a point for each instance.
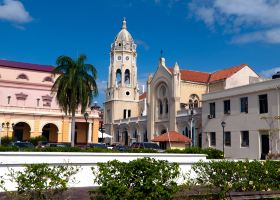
(48, 79)
(193, 101)
(162, 99)
(23, 76)
(166, 106)
(127, 77)
(118, 77)
(195, 104)
(160, 107)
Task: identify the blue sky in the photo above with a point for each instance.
(203, 35)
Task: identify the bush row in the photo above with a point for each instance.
(147, 178)
(210, 152)
(238, 176)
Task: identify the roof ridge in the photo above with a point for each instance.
(241, 65)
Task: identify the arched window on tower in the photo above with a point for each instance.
(127, 77)
(118, 77)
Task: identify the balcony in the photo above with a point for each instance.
(131, 120)
(187, 112)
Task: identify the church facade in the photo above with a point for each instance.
(172, 101)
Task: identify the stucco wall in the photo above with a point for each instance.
(237, 121)
(16, 160)
(238, 78)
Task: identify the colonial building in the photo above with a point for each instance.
(28, 109)
(250, 116)
(172, 101)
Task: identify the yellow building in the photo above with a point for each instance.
(172, 101)
(28, 109)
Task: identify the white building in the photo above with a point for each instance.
(251, 113)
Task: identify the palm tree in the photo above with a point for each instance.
(75, 87)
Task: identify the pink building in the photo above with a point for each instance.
(28, 109)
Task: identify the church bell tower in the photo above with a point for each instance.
(122, 90)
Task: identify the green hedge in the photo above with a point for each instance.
(144, 178)
(238, 176)
(40, 181)
(210, 152)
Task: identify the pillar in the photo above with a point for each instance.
(95, 128)
(89, 137)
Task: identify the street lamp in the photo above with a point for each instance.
(86, 115)
(192, 113)
(223, 124)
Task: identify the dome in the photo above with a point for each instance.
(124, 35)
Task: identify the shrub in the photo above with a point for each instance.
(210, 152)
(35, 140)
(41, 181)
(6, 140)
(144, 178)
(238, 176)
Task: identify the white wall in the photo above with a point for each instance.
(16, 160)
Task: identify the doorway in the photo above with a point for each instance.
(264, 146)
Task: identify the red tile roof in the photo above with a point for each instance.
(143, 96)
(205, 77)
(172, 136)
(28, 66)
(225, 73)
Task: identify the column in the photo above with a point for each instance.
(69, 132)
(89, 139)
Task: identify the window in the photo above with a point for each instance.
(166, 106)
(127, 77)
(212, 110)
(227, 107)
(124, 113)
(227, 138)
(263, 103)
(160, 107)
(193, 101)
(9, 99)
(38, 102)
(244, 138)
(48, 79)
(244, 104)
(22, 76)
(129, 113)
(212, 139)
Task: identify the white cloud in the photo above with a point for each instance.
(142, 43)
(14, 11)
(102, 86)
(268, 73)
(260, 19)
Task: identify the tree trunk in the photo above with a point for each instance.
(73, 129)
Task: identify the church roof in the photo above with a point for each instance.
(28, 66)
(124, 35)
(205, 77)
(172, 136)
(143, 96)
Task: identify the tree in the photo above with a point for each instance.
(75, 87)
